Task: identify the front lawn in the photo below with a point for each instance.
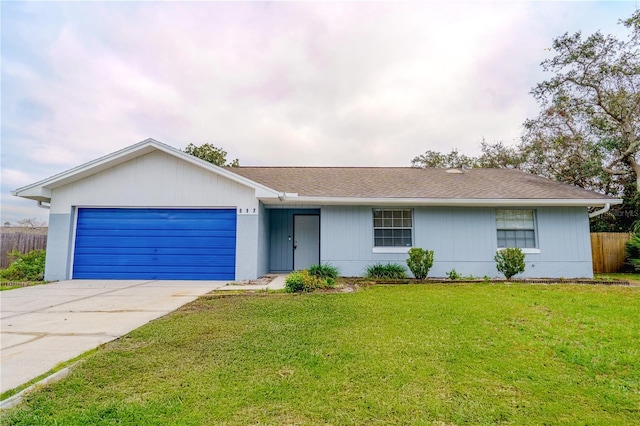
(415, 354)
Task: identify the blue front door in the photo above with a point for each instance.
(306, 245)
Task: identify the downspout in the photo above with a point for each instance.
(601, 211)
(44, 206)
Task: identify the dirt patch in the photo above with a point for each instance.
(262, 281)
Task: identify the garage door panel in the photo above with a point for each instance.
(176, 251)
(168, 242)
(171, 275)
(141, 269)
(200, 262)
(143, 233)
(157, 213)
(155, 244)
(157, 224)
(144, 218)
(165, 276)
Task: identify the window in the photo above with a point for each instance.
(392, 228)
(516, 228)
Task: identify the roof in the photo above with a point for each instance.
(355, 185)
(411, 183)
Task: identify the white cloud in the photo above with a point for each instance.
(15, 178)
(273, 83)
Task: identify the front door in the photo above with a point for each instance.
(306, 241)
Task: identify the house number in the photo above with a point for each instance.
(247, 211)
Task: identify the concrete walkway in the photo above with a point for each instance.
(277, 283)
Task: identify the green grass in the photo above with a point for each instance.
(633, 278)
(414, 354)
(8, 285)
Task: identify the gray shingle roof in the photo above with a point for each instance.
(409, 182)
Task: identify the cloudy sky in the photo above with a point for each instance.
(273, 83)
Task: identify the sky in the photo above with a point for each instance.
(272, 83)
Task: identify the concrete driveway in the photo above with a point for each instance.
(48, 324)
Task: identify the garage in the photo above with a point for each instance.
(155, 243)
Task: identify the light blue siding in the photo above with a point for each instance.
(281, 238)
(463, 238)
(264, 233)
(247, 247)
(59, 243)
(565, 245)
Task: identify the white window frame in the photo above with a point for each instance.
(534, 228)
(391, 249)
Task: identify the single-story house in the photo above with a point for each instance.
(151, 211)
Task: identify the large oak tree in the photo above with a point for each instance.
(588, 129)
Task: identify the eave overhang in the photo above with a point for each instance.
(462, 202)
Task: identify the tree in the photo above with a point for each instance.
(588, 129)
(212, 154)
(453, 160)
(31, 223)
(497, 155)
(501, 156)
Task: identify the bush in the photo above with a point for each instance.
(454, 275)
(324, 270)
(510, 261)
(303, 281)
(632, 248)
(25, 267)
(388, 271)
(420, 262)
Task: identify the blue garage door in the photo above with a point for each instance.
(169, 244)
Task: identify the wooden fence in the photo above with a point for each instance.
(607, 251)
(24, 242)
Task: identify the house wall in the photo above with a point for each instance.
(153, 180)
(59, 243)
(281, 237)
(463, 238)
(264, 236)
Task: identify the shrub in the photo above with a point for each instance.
(298, 281)
(420, 262)
(303, 281)
(454, 275)
(632, 248)
(510, 261)
(388, 271)
(324, 270)
(25, 267)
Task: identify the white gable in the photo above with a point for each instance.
(155, 179)
(42, 190)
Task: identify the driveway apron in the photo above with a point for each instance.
(44, 325)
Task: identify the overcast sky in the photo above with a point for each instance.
(278, 83)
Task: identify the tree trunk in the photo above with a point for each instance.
(636, 169)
